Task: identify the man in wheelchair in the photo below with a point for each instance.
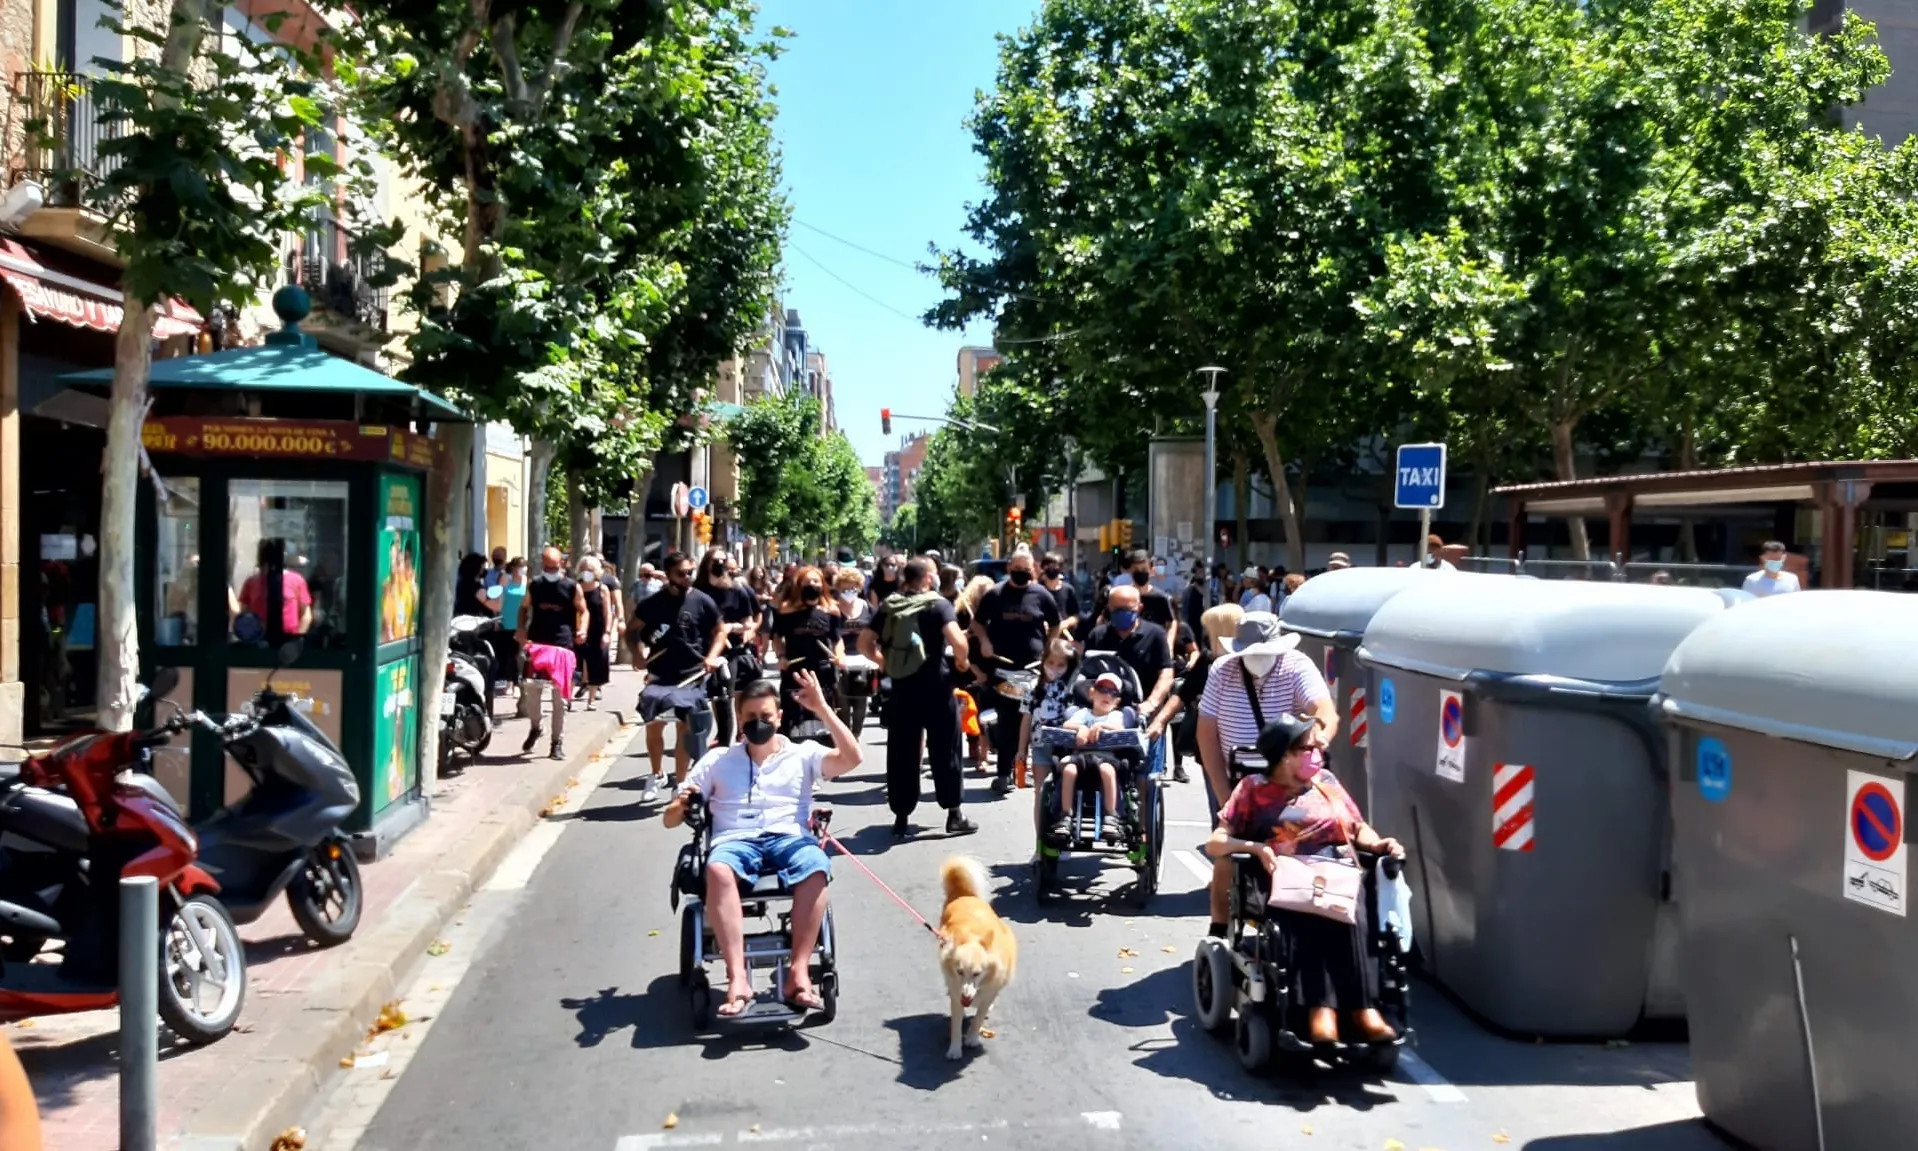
(1295, 808)
(758, 796)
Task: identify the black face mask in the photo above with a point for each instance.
(809, 594)
(758, 731)
(1019, 577)
(1142, 577)
(1054, 573)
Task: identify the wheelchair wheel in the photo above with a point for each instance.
(688, 950)
(699, 998)
(1253, 1040)
(828, 997)
(1212, 984)
(1045, 879)
(1152, 820)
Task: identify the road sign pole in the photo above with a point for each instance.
(1425, 533)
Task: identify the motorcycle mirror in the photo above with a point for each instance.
(164, 681)
(289, 651)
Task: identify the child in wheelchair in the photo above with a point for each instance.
(1103, 715)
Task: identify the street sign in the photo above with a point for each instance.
(1419, 480)
(696, 498)
(680, 506)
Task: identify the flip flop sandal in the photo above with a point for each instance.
(805, 999)
(738, 1005)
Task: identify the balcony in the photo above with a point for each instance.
(52, 113)
(339, 273)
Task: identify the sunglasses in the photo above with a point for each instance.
(1104, 690)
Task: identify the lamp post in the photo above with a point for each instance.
(1211, 398)
(1072, 506)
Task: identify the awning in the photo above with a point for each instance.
(50, 295)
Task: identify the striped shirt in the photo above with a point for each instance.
(1294, 686)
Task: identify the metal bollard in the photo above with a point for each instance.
(139, 1013)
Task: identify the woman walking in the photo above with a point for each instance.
(739, 615)
(806, 636)
(595, 649)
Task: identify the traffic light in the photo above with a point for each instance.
(772, 549)
(885, 420)
(1105, 537)
(1014, 518)
(703, 525)
(1124, 534)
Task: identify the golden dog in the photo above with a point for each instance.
(976, 950)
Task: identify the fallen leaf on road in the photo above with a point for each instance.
(1125, 971)
(1128, 953)
(436, 987)
(1501, 1137)
(346, 1061)
(987, 1033)
(438, 948)
(1306, 1130)
(391, 1018)
(653, 933)
(1394, 1145)
(671, 1122)
(1169, 949)
(291, 1139)
(573, 782)
(389, 1073)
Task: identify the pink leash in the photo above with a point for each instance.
(910, 909)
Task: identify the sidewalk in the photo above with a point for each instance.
(307, 1008)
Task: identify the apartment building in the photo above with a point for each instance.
(1891, 109)
(899, 472)
(974, 363)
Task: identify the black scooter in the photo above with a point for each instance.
(284, 834)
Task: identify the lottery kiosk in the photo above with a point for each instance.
(288, 500)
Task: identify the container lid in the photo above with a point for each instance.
(1826, 667)
(1345, 600)
(1597, 632)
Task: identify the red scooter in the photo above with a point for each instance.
(59, 880)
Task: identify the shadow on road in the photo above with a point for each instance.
(661, 1017)
(1471, 1053)
(1685, 1135)
(923, 1065)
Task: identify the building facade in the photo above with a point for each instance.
(898, 473)
(974, 363)
(1890, 110)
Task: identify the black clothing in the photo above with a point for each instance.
(549, 602)
(931, 620)
(1146, 651)
(878, 589)
(809, 634)
(1067, 597)
(737, 604)
(469, 598)
(1327, 959)
(923, 711)
(677, 632)
(594, 662)
(1156, 607)
(1017, 621)
(1194, 607)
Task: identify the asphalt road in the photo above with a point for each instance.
(555, 1020)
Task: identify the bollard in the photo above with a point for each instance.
(139, 1013)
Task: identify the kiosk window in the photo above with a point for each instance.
(286, 562)
(177, 567)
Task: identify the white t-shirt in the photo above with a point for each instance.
(1758, 583)
(746, 800)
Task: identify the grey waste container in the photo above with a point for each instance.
(1329, 612)
(1515, 753)
(1794, 730)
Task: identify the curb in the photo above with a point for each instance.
(273, 1091)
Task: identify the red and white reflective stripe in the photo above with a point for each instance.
(1512, 807)
(1355, 719)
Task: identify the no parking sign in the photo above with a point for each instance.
(1451, 736)
(1874, 843)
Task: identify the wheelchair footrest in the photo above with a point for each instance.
(1289, 1041)
(765, 1008)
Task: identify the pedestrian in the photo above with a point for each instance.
(1290, 584)
(1195, 603)
(1052, 577)
(1771, 578)
(1434, 559)
(1155, 606)
(849, 589)
(594, 649)
(555, 613)
(496, 575)
(469, 588)
(678, 640)
(761, 585)
(1141, 645)
(1262, 678)
(806, 636)
(616, 596)
(1011, 624)
(739, 614)
(1252, 595)
(909, 637)
(1338, 561)
(951, 582)
(1216, 628)
(512, 603)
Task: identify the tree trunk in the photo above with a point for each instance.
(1478, 511)
(1241, 499)
(1687, 527)
(438, 566)
(537, 535)
(1565, 466)
(632, 553)
(1266, 426)
(577, 528)
(117, 633)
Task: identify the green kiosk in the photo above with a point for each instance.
(289, 501)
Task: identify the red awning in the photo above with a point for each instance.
(47, 294)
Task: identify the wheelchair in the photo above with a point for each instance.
(770, 902)
(1242, 979)
(1141, 794)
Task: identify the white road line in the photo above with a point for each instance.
(819, 1136)
(516, 870)
(1437, 1088)
(1191, 862)
(1103, 1120)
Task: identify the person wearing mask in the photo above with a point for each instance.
(885, 581)
(496, 574)
(1052, 577)
(849, 589)
(909, 636)
(648, 581)
(594, 649)
(1216, 627)
(1435, 552)
(1771, 578)
(678, 640)
(1012, 623)
(1291, 583)
(1337, 561)
(1154, 605)
(551, 615)
(1252, 595)
(470, 586)
(806, 637)
(1194, 601)
(739, 614)
(1262, 678)
(1142, 646)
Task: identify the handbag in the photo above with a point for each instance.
(1328, 888)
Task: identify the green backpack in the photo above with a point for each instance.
(900, 642)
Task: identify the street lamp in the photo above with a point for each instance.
(1211, 398)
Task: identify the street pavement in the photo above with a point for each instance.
(554, 1019)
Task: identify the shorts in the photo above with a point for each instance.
(794, 858)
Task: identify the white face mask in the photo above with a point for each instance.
(1260, 663)
(588, 578)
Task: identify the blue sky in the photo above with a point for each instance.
(873, 96)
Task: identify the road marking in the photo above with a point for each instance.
(1437, 1088)
(818, 1136)
(1190, 861)
(516, 870)
(1188, 823)
(1103, 1120)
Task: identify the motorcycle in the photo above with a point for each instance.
(465, 720)
(284, 834)
(471, 636)
(74, 822)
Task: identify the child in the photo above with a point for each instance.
(1103, 715)
(1047, 706)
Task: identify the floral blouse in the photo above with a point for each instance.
(1305, 823)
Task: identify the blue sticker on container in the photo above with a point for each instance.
(1388, 701)
(1714, 770)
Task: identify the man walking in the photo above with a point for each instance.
(678, 639)
(551, 618)
(1013, 623)
(909, 636)
(1771, 578)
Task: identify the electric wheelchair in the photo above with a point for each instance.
(770, 902)
(1243, 980)
(1141, 792)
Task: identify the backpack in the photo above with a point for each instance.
(901, 644)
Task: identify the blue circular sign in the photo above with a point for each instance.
(696, 498)
(1388, 701)
(1875, 822)
(1714, 770)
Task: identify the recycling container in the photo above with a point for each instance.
(1329, 613)
(1794, 726)
(1516, 754)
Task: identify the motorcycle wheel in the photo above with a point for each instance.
(325, 895)
(198, 1005)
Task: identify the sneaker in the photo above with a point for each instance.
(1001, 785)
(1113, 831)
(899, 828)
(957, 824)
(1179, 775)
(532, 738)
(559, 748)
(649, 790)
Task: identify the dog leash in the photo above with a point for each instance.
(829, 837)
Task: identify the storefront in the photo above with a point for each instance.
(289, 501)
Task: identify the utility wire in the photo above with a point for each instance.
(855, 288)
(921, 268)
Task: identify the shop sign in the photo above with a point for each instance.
(287, 440)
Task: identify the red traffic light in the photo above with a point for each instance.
(885, 420)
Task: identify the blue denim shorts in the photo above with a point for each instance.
(792, 857)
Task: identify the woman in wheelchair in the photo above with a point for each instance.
(1299, 808)
(1104, 715)
(758, 795)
